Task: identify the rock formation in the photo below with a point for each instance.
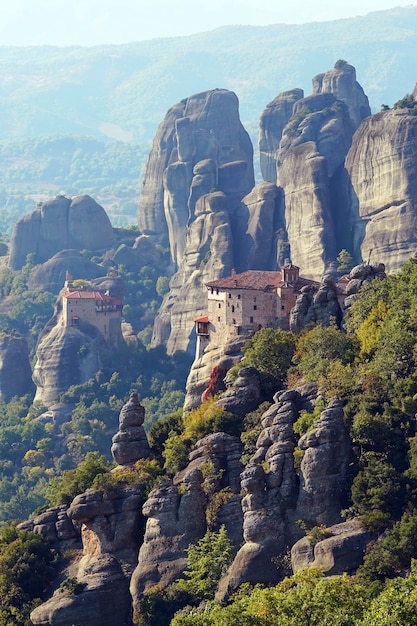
(340, 550)
(311, 136)
(177, 517)
(360, 274)
(318, 305)
(130, 442)
(272, 123)
(381, 188)
(200, 145)
(15, 370)
(51, 275)
(274, 499)
(104, 601)
(66, 356)
(60, 224)
(341, 81)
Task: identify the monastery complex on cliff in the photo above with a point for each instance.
(241, 304)
(94, 308)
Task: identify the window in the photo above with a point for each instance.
(218, 319)
(251, 320)
(233, 308)
(220, 305)
(255, 307)
(217, 292)
(230, 295)
(234, 321)
(238, 296)
(282, 307)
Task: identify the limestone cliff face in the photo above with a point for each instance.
(200, 145)
(208, 255)
(382, 188)
(306, 139)
(60, 224)
(272, 123)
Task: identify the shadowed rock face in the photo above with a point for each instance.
(382, 188)
(60, 224)
(15, 370)
(51, 275)
(200, 145)
(272, 123)
(105, 600)
(177, 517)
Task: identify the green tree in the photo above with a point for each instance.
(27, 566)
(270, 352)
(207, 561)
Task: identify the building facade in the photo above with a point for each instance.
(241, 304)
(94, 308)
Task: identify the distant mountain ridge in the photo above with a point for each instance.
(122, 91)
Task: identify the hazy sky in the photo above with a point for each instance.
(94, 22)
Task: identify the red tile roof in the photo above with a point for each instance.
(256, 279)
(91, 295)
(202, 318)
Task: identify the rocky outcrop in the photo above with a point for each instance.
(244, 394)
(15, 370)
(341, 82)
(66, 356)
(272, 123)
(104, 601)
(275, 496)
(199, 146)
(381, 188)
(360, 274)
(130, 442)
(266, 220)
(324, 467)
(177, 516)
(60, 224)
(56, 526)
(199, 169)
(174, 521)
(318, 305)
(208, 255)
(110, 524)
(214, 356)
(51, 275)
(339, 550)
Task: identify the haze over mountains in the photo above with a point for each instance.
(122, 92)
